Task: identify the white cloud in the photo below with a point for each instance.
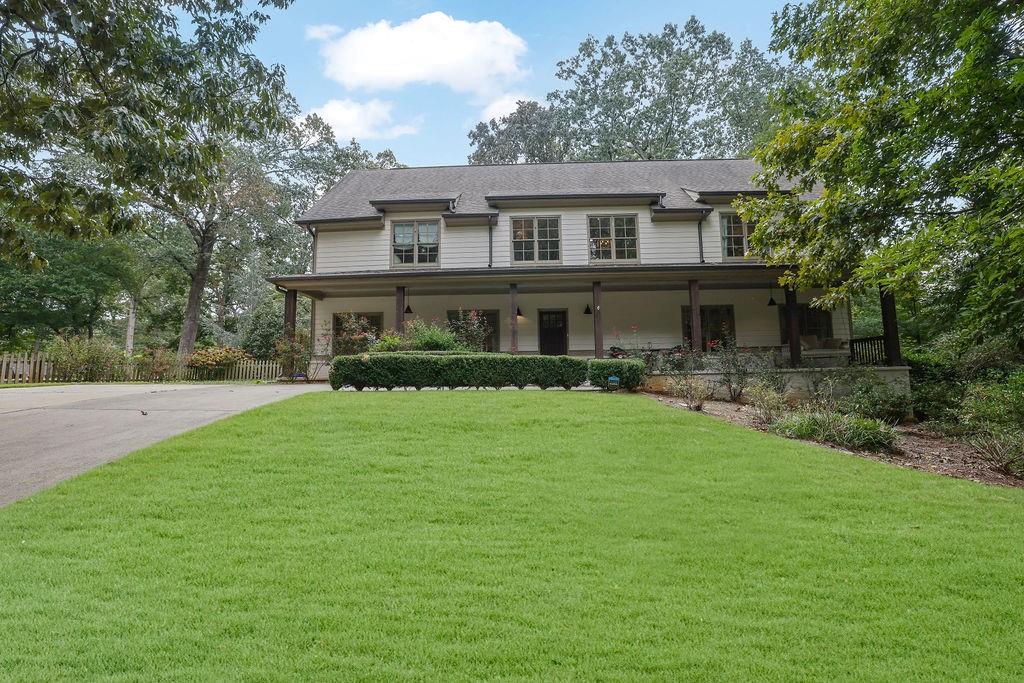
(363, 120)
(322, 31)
(503, 105)
(477, 57)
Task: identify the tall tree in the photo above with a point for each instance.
(255, 191)
(912, 122)
(123, 84)
(82, 284)
(684, 92)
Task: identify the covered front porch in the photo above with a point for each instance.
(590, 311)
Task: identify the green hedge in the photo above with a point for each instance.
(630, 372)
(478, 370)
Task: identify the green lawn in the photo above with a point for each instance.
(516, 534)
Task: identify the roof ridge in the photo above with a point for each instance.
(556, 163)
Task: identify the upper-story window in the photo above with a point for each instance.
(613, 238)
(414, 243)
(735, 235)
(536, 239)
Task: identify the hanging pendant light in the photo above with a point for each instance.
(519, 312)
(408, 309)
(771, 297)
(587, 311)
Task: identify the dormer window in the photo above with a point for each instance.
(414, 243)
(735, 236)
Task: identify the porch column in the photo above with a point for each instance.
(400, 309)
(696, 334)
(793, 320)
(598, 329)
(513, 317)
(291, 301)
(890, 328)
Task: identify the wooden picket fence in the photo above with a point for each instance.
(35, 368)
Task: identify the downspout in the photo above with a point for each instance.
(490, 241)
(700, 239)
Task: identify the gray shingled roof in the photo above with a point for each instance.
(351, 197)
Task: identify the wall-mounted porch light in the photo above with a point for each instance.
(519, 312)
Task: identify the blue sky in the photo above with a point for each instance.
(416, 76)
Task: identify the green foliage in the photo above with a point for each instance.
(736, 366)
(845, 431)
(262, 330)
(630, 372)
(155, 365)
(904, 143)
(213, 362)
(294, 354)
(693, 391)
(470, 329)
(995, 406)
(873, 397)
(353, 335)
(425, 336)
(72, 295)
(122, 85)
(390, 340)
(684, 92)
(81, 359)
(1003, 448)
(769, 404)
(454, 370)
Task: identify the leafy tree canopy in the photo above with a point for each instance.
(907, 145)
(124, 84)
(685, 92)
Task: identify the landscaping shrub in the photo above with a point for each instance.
(424, 336)
(693, 391)
(353, 335)
(213, 362)
(294, 354)
(80, 359)
(630, 372)
(873, 397)
(846, 431)
(768, 403)
(735, 366)
(470, 329)
(454, 370)
(389, 341)
(155, 365)
(995, 406)
(1003, 448)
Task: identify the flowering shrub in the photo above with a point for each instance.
(214, 361)
(470, 329)
(80, 359)
(294, 355)
(353, 335)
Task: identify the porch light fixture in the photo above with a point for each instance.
(771, 297)
(519, 312)
(408, 309)
(587, 311)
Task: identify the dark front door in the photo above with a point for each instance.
(554, 337)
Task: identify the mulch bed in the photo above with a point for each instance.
(919, 448)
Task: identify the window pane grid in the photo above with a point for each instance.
(536, 239)
(414, 243)
(736, 235)
(613, 238)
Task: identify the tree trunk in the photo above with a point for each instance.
(190, 326)
(129, 335)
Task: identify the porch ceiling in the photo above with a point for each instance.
(534, 280)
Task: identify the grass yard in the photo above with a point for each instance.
(467, 535)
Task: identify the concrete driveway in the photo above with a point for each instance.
(48, 434)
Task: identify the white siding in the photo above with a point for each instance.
(347, 250)
(467, 247)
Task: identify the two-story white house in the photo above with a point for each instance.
(567, 258)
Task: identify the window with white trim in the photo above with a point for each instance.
(536, 238)
(613, 238)
(414, 243)
(735, 235)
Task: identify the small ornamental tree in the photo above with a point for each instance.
(354, 334)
